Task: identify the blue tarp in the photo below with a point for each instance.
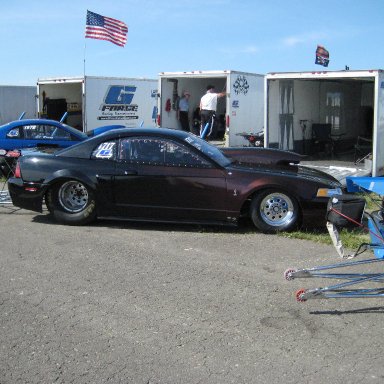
(371, 184)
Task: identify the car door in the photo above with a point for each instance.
(162, 179)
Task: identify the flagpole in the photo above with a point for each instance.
(84, 115)
(85, 43)
(85, 48)
(83, 90)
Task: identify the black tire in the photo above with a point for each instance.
(71, 202)
(273, 211)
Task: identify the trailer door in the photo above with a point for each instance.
(378, 130)
(245, 107)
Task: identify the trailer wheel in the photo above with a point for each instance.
(300, 295)
(71, 202)
(274, 210)
(288, 274)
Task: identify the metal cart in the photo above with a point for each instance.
(7, 166)
(351, 283)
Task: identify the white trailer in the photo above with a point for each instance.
(15, 100)
(93, 101)
(349, 103)
(242, 110)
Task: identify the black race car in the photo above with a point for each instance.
(159, 174)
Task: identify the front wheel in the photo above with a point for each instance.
(71, 202)
(273, 211)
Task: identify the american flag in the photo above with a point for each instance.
(106, 28)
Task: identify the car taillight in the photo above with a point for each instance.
(159, 120)
(17, 172)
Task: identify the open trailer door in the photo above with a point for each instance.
(241, 111)
(245, 107)
(378, 136)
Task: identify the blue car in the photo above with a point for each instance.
(32, 133)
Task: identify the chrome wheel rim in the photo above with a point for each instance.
(73, 196)
(277, 209)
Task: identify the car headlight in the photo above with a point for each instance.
(328, 192)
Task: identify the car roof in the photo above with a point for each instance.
(147, 130)
(17, 123)
(83, 149)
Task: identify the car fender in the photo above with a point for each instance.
(65, 174)
(262, 187)
(276, 186)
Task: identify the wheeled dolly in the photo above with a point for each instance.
(351, 284)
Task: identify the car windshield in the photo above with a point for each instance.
(209, 150)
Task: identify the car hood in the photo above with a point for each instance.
(266, 156)
(275, 160)
(321, 176)
(295, 170)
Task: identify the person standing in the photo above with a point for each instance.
(183, 111)
(208, 105)
(196, 121)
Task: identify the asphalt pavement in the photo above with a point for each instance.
(119, 302)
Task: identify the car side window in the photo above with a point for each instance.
(45, 132)
(158, 151)
(105, 151)
(34, 132)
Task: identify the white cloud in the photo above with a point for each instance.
(292, 40)
(316, 37)
(249, 49)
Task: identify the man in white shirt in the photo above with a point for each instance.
(208, 105)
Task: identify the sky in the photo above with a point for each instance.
(45, 38)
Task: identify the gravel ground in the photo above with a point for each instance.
(132, 303)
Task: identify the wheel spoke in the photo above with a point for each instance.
(277, 209)
(73, 196)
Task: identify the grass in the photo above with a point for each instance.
(351, 238)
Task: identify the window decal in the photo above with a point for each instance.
(105, 151)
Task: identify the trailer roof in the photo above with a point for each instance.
(325, 74)
(216, 73)
(79, 79)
